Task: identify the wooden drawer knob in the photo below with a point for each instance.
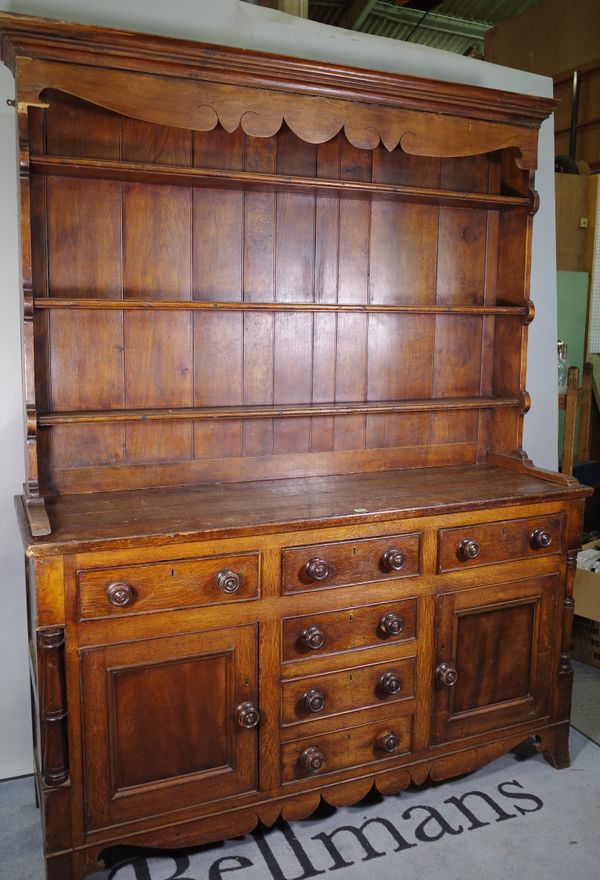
(312, 760)
(468, 549)
(313, 701)
(312, 637)
(247, 715)
(540, 539)
(228, 581)
(446, 675)
(119, 593)
(317, 569)
(393, 560)
(391, 624)
(389, 683)
(388, 742)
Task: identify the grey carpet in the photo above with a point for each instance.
(585, 713)
(526, 820)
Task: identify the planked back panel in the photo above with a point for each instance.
(127, 240)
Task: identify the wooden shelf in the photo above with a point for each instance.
(198, 305)
(174, 175)
(274, 410)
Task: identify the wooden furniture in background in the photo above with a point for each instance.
(282, 542)
(576, 398)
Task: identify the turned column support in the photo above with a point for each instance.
(568, 611)
(53, 707)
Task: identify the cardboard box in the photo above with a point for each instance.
(585, 645)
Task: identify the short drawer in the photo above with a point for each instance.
(158, 586)
(468, 546)
(348, 629)
(318, 696)
(352, 747)
(344, 563)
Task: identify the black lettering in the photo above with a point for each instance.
(433, 816)
(458, 802)
(216, 871)
(139, 865)
(339, 861)
(271, 862)
(516, 795)
(142, 871)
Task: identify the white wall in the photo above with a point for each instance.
(237, 24)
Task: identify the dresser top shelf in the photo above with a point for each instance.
(111, 520)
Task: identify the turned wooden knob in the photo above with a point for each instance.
(313, 700)
(388, 742)
(247, 715)
(468, 549)
(540, 539)
(312, 760)
(119, 593)
(316, 569)
(446, 675)
(391, 624)
(389, 683)
(393, 560)
(228, 581)
(312, 637)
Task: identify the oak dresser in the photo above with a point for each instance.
(282, 543)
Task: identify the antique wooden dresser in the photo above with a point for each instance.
(282, 542)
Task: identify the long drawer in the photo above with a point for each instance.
(352, 747)
(332, 693)
(348, 628)
(158, 586)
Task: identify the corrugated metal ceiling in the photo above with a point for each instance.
(453, 25)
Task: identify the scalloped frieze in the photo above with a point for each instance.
(202, 105)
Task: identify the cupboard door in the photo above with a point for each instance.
(164, 725)
(494, 649)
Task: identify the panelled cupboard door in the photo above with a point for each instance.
(163, 727)
(494, 650)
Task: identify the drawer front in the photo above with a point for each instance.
(348, 629)
(319, 696)
(352, 747)
(158, 586)
(344, 563)
(469, 546)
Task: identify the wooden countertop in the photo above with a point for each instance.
(110, 520)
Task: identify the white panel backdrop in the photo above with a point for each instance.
(234, 23)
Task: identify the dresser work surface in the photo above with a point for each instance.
(282, 543)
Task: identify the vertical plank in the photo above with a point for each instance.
(465, 173)
(158, 373)
(77, 128)
(160, 144)
(327, 233)
(259, 285)
(403, 236)
(461, 256)
(158, 345)
(218, 220)
(86, 360)
(294, 282)
(400, 366)
(218, 230)
(84, 255)
(218, 359)
(157, 224)
(353, 274)
(457, 356)
(87, 445)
